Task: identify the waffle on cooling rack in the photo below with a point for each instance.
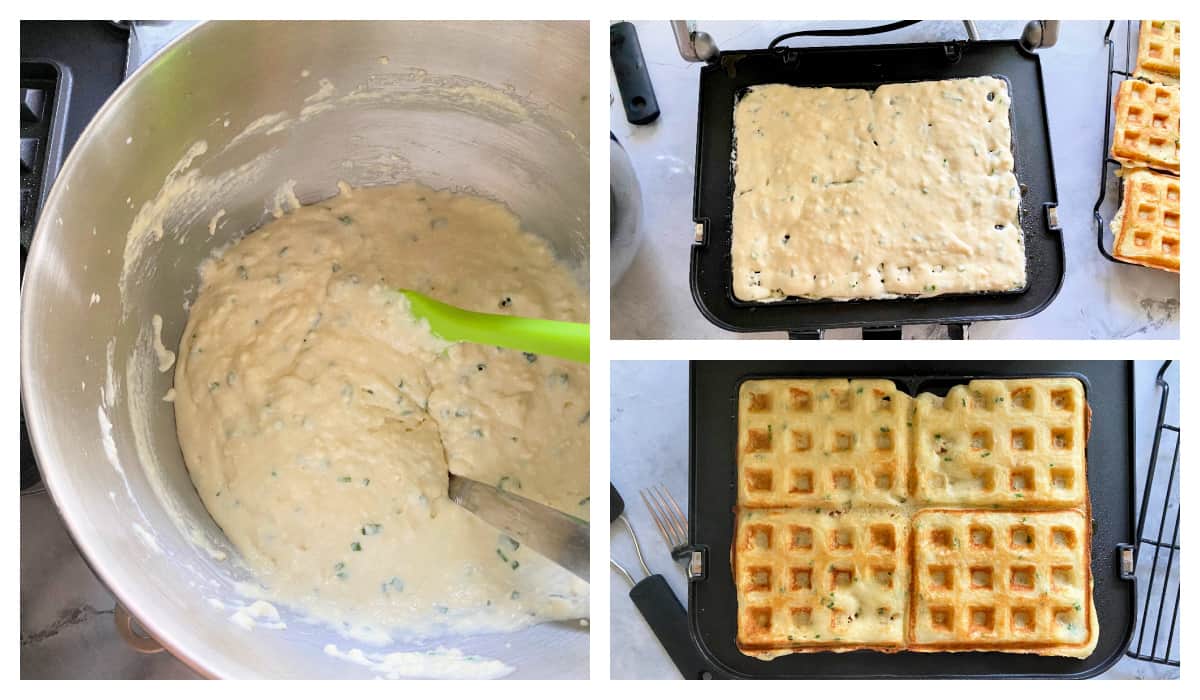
(843, 483)
(1146, 227)
(1147, 125)
(1158, 51)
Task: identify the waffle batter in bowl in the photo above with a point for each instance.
(319, 421)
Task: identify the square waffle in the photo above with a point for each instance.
(1147, 129)
(820, 442)
(1158, 51)
(843, 485)
(1146, 227)
(821, 580)
(1002, 443)
(1002, 581)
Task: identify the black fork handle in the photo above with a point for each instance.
(669, 622)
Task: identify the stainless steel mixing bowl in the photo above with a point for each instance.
(195, 149)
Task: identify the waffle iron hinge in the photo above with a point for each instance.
(696, 557)
(1051, 210)
(1126, 562)
(694, 46)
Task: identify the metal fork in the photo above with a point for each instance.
(669, 518)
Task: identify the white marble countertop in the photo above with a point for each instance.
(649, 423)
(1099, 299)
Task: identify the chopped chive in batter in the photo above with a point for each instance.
(585, 500)
(502, 555)
(371, 529)
(355, 547)
(346, 220)
(344, 479)
(393, 584)
(530, 357)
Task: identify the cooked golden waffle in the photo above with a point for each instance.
(1147, 130)
(1002, 581)
(832, 473)
(821, 580)
(825, 441)
(1146, 227)
(1158, 51)
(1002, 442)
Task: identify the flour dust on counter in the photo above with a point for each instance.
(319, 420)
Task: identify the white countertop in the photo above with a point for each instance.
(1099, 299)
(649, 425)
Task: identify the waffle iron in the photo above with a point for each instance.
(712, 495)
(727, 75)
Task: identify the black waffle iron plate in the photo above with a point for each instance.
(712, 600)
(724, 81)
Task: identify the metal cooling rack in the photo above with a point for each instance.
(1158, 549)
(1108, 165)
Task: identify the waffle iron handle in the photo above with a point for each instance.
(669, 622)
(633, 77)
(1040, 34)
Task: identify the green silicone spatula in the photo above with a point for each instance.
(556, 338)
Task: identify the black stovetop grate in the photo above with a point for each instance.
(1158, 549)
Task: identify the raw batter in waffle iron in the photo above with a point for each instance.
(318, 420)
(851, 194)
(868, 519)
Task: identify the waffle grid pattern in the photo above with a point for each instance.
(1147, 125)
(823, 549)
(985, 578)
(1147, 224)
(818, 579)
(1158, 50)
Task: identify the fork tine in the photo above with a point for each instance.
(654, 514)
(681, 519)
(660, 517)
(677, 537)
